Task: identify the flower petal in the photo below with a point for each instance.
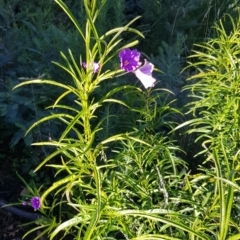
(144, 74)
(25, 203)
(84, 65)
(95, 66)
(129, 59)
(36, 204)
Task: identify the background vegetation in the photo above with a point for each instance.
(31, 36)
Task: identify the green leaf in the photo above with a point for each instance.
(156, 218)
(70, 15)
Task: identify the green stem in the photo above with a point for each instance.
(96, 215)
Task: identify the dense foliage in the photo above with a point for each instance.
(108, 158)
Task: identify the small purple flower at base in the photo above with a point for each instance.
(36, 203)
(25, 203)
(95, 66)
(144, 74)
(129, 59)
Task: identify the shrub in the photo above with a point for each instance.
(115, 183)
(214, 94)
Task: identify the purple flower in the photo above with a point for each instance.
(84, 65)
(129, 59)
(95, 66)
(130, 62)
(36, 204)
(144, 74)
(25, 203)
